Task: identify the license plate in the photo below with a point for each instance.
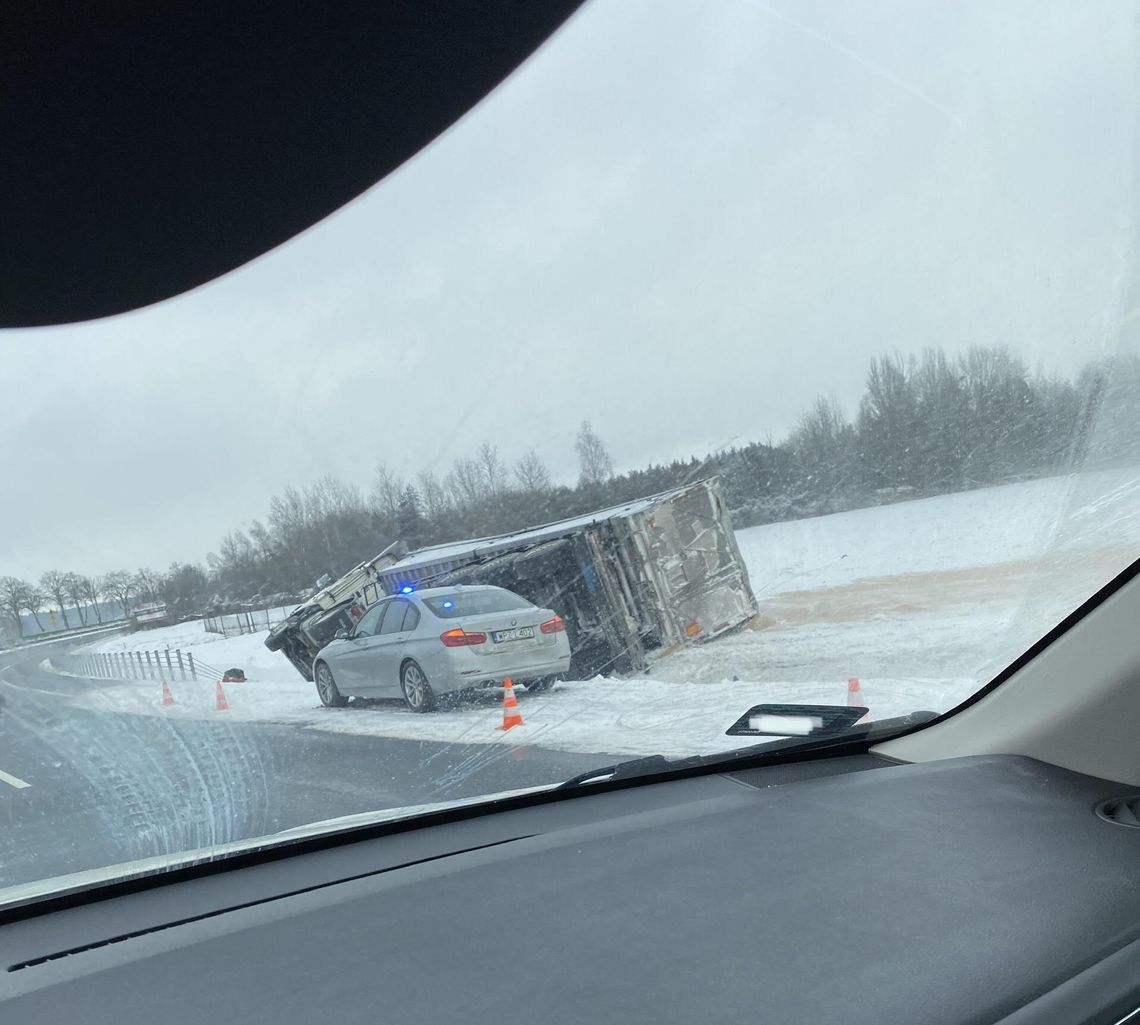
(522, 633)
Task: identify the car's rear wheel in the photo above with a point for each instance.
(327, 689)
(542, 684)
(418, 694)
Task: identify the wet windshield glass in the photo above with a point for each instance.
(787, 352)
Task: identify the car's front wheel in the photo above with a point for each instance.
(327, 689)
(417, 691)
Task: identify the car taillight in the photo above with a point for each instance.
(556, 625)
(461, 638)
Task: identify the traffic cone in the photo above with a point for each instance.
(167, 696)
(855, 697)
(220, 703)
(511, 716)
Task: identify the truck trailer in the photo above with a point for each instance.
(631, 581)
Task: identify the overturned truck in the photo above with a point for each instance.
(629, 581)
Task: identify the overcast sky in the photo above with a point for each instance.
(680, 221)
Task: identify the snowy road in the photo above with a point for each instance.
(104, 788)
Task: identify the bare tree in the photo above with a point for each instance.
(54, 585)
(73, 587)
(91, 588)
(147, 583)
(531, 473)
(120, 585)
(34, 600)
(235, 564)
(465, 481)
(435, 501)
(826, 455)
(494, 473)
(12, 592)
(594, 463)
(262, 539)
(387, 491)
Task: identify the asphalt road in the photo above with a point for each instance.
(82, 789)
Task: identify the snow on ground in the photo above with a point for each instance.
(972, 528)
(246, 651)
(617, 717)
(924, 601)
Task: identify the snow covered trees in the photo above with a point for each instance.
(933, 423)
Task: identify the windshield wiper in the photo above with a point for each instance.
(647, 765)
(753, 754)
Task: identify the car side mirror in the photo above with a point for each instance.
(342, 634)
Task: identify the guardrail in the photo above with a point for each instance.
(231, 624)
(170, 664)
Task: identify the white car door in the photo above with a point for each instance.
(399, 620)
(353, 667)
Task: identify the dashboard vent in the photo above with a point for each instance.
(1124, 811)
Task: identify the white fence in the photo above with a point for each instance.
(171, 664)
(231, 624)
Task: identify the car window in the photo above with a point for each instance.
(394, 617)
(474, 603)
(369, 621)
(411, 618)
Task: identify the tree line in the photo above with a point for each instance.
(932, 424)
(72, 599)
(926, 424)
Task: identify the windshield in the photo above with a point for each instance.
(786, 352)
(455, 605)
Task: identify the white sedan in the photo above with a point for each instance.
(441, 640)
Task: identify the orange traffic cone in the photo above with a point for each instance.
(511, 716)
(855, 697)
(167, 696)
(220, 702)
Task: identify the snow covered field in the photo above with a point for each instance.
(1005, 524)
(923, 601)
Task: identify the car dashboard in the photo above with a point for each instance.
(855, 889)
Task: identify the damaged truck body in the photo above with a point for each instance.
(630, 581)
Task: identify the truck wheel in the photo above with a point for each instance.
(326, 688)
(417, 691)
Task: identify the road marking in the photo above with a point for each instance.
(14, 781)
